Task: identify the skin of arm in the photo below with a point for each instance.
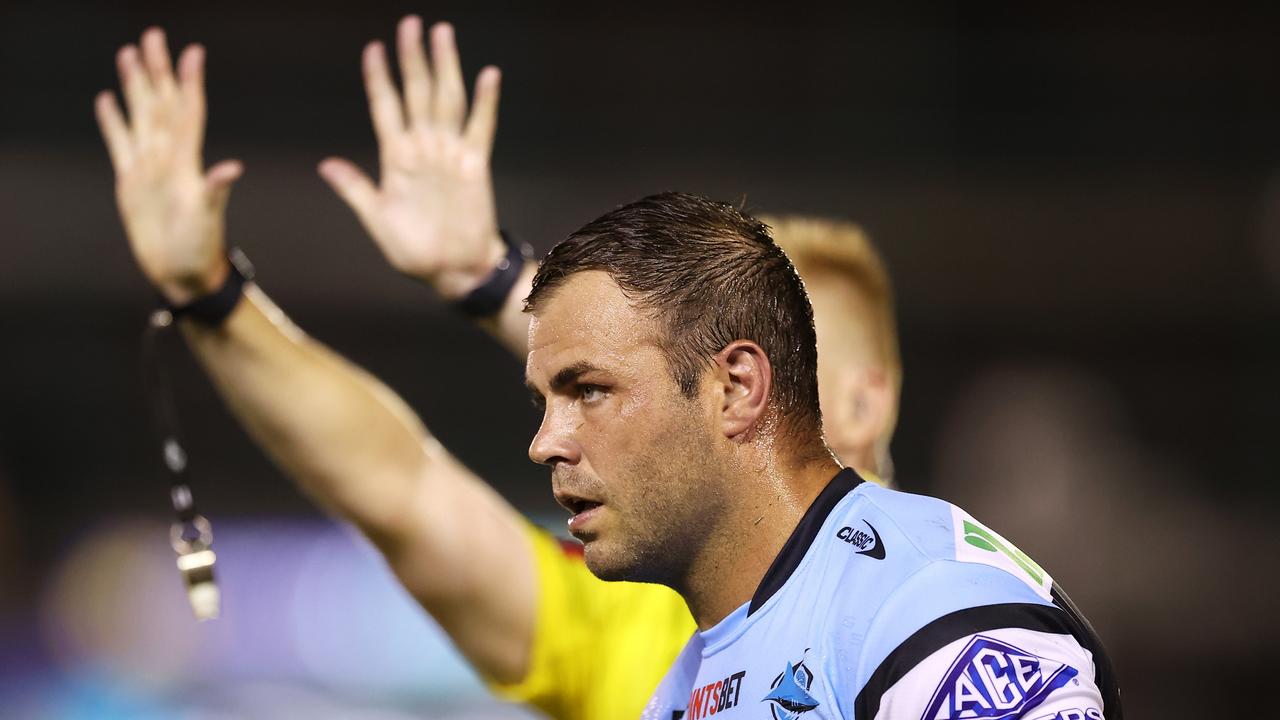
(345, 439)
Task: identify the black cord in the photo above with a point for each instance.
(191, 534)
(164, 417)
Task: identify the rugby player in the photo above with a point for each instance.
(285, 387)
(683, 429)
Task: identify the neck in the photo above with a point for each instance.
(735, 558)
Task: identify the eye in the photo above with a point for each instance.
(592, 393)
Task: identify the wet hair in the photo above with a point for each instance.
(710, 274)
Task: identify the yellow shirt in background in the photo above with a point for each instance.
(599, 648)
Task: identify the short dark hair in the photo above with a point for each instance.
(711, 274)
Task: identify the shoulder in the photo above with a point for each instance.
(961, 641)
(954, 621)
(882, 545)
(1024, 662)
(917, 531)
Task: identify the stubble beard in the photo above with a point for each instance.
(675, 502)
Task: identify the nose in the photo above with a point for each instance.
(555, 442)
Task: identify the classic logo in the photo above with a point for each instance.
(995, 681)
(789, 698)
(869, 545)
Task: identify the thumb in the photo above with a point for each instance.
(351, 184)
(218, 181)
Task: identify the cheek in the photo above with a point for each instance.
(626, 424)
(643, 432)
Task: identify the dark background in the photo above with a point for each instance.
(1080, 209)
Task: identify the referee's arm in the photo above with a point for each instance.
(345, 439)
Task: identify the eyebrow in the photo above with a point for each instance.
(567, 376)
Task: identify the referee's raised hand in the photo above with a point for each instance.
(173, 209)
(432, 212)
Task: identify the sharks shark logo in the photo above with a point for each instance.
(789, 698)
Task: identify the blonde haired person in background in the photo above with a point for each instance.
(859, 364)
(521, 607)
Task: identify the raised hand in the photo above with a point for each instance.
(432, 214)
(173, 211)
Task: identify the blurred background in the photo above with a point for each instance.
(1080, 209)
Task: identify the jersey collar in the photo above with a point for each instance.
(802, 537)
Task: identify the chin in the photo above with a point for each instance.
(607, 563)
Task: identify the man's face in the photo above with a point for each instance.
(631, 457)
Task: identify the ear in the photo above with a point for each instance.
(745, 376)
(858, 412)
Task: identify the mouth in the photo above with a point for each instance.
(583, 510)
(577, 506)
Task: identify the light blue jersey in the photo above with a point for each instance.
(887, 605)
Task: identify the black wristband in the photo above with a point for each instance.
(487, 299)
(213, 309)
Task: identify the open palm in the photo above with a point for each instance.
(432, 213)
(173, 210)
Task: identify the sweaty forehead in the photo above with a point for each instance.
(587, 319)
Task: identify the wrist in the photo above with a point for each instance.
(213, 307)
(185, 290)
(487, 299)
(453, 285)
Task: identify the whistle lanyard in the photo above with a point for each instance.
(191, 535)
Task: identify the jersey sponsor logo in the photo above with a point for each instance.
(1074, 714)
(789, 696)
(867, 544)
(995, 681)
(978, 543)
(713, 697)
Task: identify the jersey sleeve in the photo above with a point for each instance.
(961, 640)
(1006, 673)
(599, 648)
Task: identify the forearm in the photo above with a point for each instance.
(352, 445)
(346, 440)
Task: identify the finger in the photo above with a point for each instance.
(155, 58)
(115, 132)
(448, 104)
(483, 122)
(191, 114)
(137, 89)
(384, 101)
(352, 185)
(218, 181)
(414, 71)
